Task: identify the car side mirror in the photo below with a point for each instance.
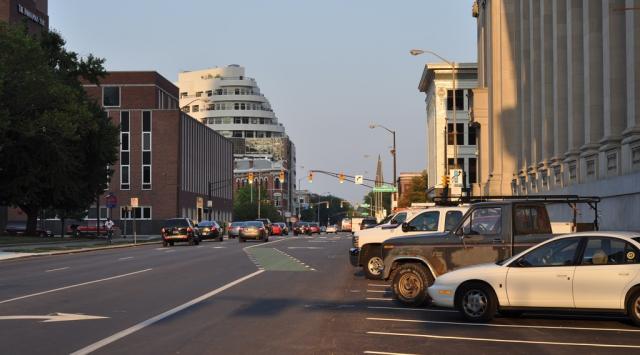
(406, 227)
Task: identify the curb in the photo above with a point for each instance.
(82, 250)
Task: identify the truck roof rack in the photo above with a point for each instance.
(571, 200)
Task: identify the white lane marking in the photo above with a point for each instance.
(378, 285)
(54, 317)
(413, 309)
(493, 340)
(505, 325)
(76, 285)
(378, 291)
(218, 247)
(126, 258)
(169, 251)
(58, 269)
(263, 244)
(313, 248)
(379, 299)
(121, 334)
(385, 353)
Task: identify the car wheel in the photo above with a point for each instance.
(220, 238)
(373, 264)
(477, 302)
(164, 243)
(633, 307)
(191, 241)
(266, 239)
(410, 282)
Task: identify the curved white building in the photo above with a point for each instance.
(229, 102)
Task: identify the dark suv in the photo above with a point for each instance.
(210, 230)
(179, 230)
(267, 224)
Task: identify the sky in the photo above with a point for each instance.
(329, 68)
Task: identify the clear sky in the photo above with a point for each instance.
(329, 67)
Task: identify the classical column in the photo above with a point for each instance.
(536, 104)
(575, 80)
(631, 135)
(593, 85)
(547, 73)
(615, 83)
(525, 86)
(560, 81)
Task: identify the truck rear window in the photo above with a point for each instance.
(531, 220)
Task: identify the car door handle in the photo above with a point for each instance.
(561, 275)
(623, 274)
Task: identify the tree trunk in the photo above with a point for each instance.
(32, 219)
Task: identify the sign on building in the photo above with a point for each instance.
(455, 178)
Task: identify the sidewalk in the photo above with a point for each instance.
(71, 246)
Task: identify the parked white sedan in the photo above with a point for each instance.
(595, 271)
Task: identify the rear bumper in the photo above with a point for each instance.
(181, 237)
(354, 256)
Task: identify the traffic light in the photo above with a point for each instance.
(445, 180)
(341, 178)
(251, 178)
(310, 177)
(281, 177)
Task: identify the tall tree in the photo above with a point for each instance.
(245, 205)
(56, 142)
(417, 191)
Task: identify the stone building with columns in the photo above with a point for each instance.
(557, 101)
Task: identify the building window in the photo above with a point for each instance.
(458, 134)
(125, 140)
(198, 93)
(534, 182)
(459, 99)
(573, 171)
(146, 150)
(635, 155)
(612, 162)
(591, 167)
(248, 134)
(211, 107)
(195, 108)
(142, 212)
(245, 120)
(183, 95)
(557, 175)
(209, 92)
(236, 106)
(111, 96)
(473, 170)
(186, 109)
(471, 135)
(523, 183)
(544, 176)
(237, 134)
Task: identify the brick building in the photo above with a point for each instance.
(172, 163)
(34, 13)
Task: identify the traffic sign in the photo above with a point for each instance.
(111, 200)
(385, 188)
(358, 179)
(365, 205)
(455, 177)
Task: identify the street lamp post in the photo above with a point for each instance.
(394, 153)
(416, 52)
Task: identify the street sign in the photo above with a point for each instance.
(385, 188)
(287, 214)
(199, 202)
(209, 203)
(111, 200)
(358, 179)
(455, 177)
(365, 205)
(134, 202)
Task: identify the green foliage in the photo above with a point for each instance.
(416, 193)
(245, 205)
(55, 142)
(386, 202)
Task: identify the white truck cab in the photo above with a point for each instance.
(366, 243)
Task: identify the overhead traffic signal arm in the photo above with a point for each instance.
(342, 177)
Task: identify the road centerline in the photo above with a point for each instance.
(119, 335)
(58, 269)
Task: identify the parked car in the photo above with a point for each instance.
(301, 228)
(91, 231)
(233, 231)
(332, 229)
(276, 229)
(253, 230)
(488, 232)
(267, 224)
(19, 228)
(368, 222)
(366, 250)
(285, 228)
(315, 228)
(179, 230)
(595, 271)
(210, 230)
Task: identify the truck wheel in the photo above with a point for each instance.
(372, 264)
(477, 302)
(410, 282)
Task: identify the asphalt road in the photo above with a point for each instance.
(290, 296)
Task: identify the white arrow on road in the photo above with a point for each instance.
(55, 317)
